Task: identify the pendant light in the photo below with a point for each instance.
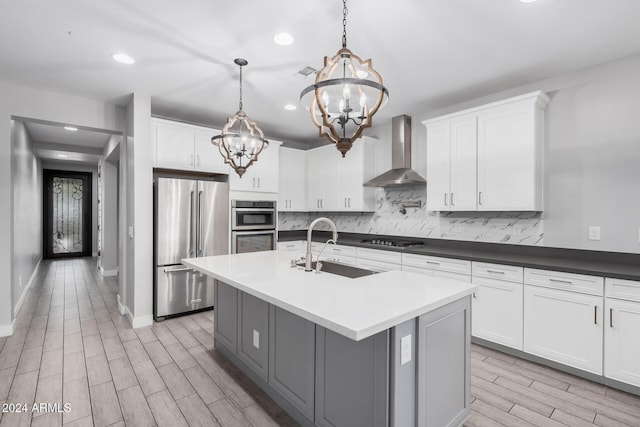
(345, 96)
(241, 140)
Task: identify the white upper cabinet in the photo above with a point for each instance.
(451, 164)
(510, 143)
(334, 183)
(293, 180)
(262, 176)
(321, 165)
(487, 158)
(186, 147)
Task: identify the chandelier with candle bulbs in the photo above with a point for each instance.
(346, 95)
(241, 139)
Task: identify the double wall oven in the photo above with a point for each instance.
(253, 226)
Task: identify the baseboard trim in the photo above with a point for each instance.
(121, 307)
(7, 330)
(140, 321)
(18, 306)
(109, 273)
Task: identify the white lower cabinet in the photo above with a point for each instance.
(497, 304)
(437, 266)
(378, 260)
(622, 331)
(564, 326)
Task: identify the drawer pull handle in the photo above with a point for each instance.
(177, 270)
(432, 262)
(611, 317)
(495, 271)
(196, 301)
(566, 282)
(595, 314)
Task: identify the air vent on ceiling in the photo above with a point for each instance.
(307, 71)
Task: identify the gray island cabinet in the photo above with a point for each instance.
(332, 351)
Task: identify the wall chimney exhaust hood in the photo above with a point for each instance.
(401, 174)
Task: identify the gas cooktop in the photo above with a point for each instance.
(392, 242)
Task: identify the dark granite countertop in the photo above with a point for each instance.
(618, 265)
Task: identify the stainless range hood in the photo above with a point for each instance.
(401, 174)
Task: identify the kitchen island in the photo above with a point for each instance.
(389, 349)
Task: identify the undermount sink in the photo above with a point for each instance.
(340, 269)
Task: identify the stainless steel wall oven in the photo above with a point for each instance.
(253, 226)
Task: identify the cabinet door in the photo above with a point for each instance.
(292, 345)
(262, 175)
(507, 156)
(226, 316)
(462, 172)
(351, 380)
(444, 363)
(348, 179)
(497, 312)
(621, 342)
(321, 178)
(174, 146)
(253, 327)
(438, 160)
(564, 326)
(292, 180)
(207, 155)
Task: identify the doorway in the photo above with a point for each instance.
(66, 213)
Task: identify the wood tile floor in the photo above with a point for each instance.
(72, 346)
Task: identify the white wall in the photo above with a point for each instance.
(45, 105)
(27, 212)
(140, 210)
(70, 166)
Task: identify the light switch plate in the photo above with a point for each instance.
(594, 232)
(256, 339)
(405, 349)
(131, 232)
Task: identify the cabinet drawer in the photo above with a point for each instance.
(377, 265)
(622, 289)
(567, 281)
(497, 271)
(378, 255)
(341, 250)
(291, 246)
(437, 263)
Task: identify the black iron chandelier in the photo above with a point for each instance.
(345, 96)
(241, 140)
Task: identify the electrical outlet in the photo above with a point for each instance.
(20, 281)
(256, 339)
(405, 349)
(594, 232)
(131, 232)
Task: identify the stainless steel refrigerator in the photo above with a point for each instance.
(191, 219)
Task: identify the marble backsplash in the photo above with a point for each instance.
(525, 228)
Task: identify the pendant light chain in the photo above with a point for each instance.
(344, 24)
(240, 103)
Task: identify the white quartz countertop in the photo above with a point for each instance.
(356, 308)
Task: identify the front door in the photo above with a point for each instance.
(67, 214)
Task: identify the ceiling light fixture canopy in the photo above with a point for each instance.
(345, 96)
(241, 139)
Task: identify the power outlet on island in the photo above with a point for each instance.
(405, 349)
(594, 232)
(256, 339)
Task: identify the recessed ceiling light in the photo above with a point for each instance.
(527, 1)
(62, 156)
(71, 128)
(123, 58)
(283, 39)
(290, 107)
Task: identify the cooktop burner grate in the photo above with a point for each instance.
(392, 242)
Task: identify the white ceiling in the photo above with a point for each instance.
(431, 54)
(52, 141)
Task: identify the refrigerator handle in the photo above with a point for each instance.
(192, 201)
(200, 250)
